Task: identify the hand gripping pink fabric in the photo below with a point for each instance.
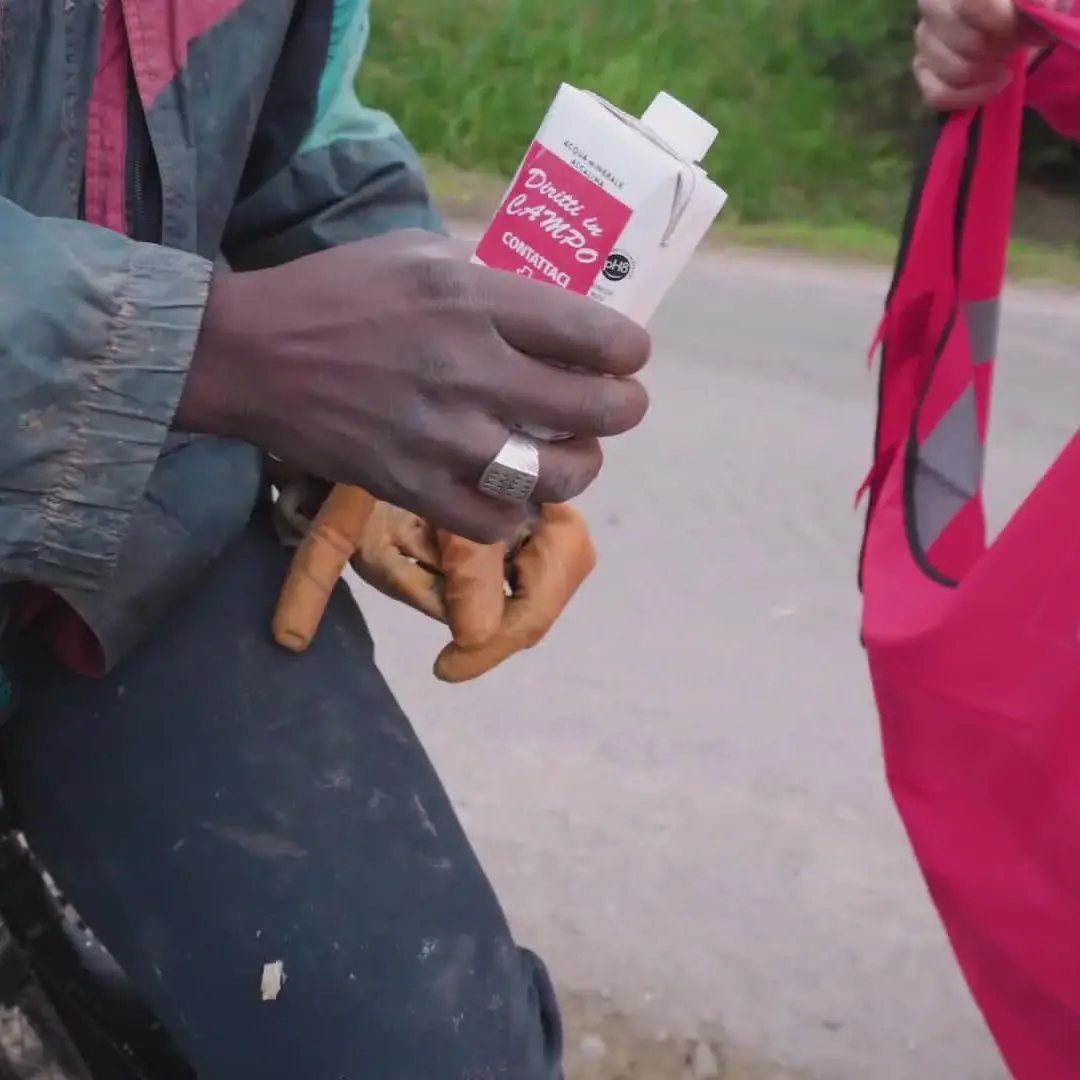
(974, 650)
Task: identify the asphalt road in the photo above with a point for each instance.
(679, 794)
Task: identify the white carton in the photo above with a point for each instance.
(606, 204)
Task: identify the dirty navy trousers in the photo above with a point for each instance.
(215, 805)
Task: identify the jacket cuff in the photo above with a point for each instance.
(115, 432)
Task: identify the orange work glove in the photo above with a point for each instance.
(448, 578)
(454, 580)
(543, 573)
(495, 606)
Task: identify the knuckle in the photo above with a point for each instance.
(435, 366)
(600, 408)
(435, 281)
(484, 525)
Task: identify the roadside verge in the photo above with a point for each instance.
(473, 196)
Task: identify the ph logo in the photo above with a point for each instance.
(618, 266)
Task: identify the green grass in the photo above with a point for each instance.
(469, 81)
(470, 196)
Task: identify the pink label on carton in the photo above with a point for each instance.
(554, 224)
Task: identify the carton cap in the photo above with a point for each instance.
(688, 134)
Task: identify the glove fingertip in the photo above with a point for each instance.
(447, 671)
(475, 634)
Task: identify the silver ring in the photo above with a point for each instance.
(514, 471)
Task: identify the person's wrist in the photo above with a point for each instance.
(220, 394)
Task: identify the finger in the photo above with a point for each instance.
(524, 625)
(461, 508)
(380, 561)
(317, 566)
(545, 322)
(414, 585)
(457, 665)
(950, 99)
(568, 400)
(474, 588)
(935, 32)
(468, 443)
(420, 590)
(952, 69)
(567, 468)
(555, 560)
(995, 18)
(552, 567)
